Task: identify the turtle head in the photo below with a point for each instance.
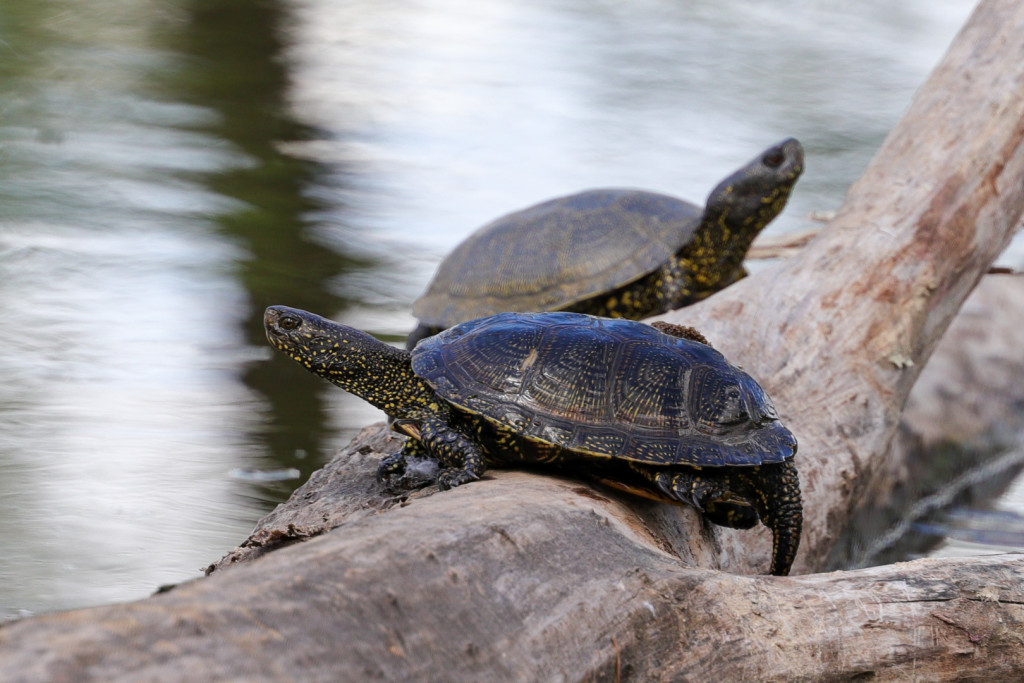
(750, 198)
(322, 346)
(347, 357)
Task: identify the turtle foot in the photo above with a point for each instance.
(393, 465)
(451, 478)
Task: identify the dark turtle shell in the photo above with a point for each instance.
(556, 253)
(605, 388)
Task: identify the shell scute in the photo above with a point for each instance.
(605, 388)
(557, 252)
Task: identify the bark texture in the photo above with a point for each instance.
(528, 577)
(533, 578)
(838, 334)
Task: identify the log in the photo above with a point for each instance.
(838, 335)
(533, 578)
(963, 421)
(780, 246)
(523, 576)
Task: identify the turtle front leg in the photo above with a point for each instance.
(394, 464)
(462, 460)
(686, 280)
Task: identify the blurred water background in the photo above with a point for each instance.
(168, 169)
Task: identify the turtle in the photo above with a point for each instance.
(655, 412)
(619, 253)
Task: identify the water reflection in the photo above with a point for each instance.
(147, 219)
(977, 531)
(234, 52)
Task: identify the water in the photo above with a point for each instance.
(979, 529)
(169, 169)
(147, 218)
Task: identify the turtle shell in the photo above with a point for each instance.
(605, 388)
(553, 254)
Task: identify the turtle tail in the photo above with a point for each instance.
(782, 512)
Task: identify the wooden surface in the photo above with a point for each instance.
(839, 334)
(533, 578)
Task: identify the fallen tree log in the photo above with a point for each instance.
(839, 334)
(963, 421)
(533, 577)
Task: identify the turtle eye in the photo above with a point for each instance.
(289, 322)
(774, 159)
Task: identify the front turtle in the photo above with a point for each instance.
(646, 411)
(612, 252)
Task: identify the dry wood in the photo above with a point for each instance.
(533, 578)
(781, 246)
(527, 577)
(839, 334)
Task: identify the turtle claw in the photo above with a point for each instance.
(393, 465)
(451, 478)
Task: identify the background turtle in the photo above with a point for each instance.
(646, 411)
(616, 253)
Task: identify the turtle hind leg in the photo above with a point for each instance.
(738, 497)
(732, 515)
(777, 488)
(705, 490)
